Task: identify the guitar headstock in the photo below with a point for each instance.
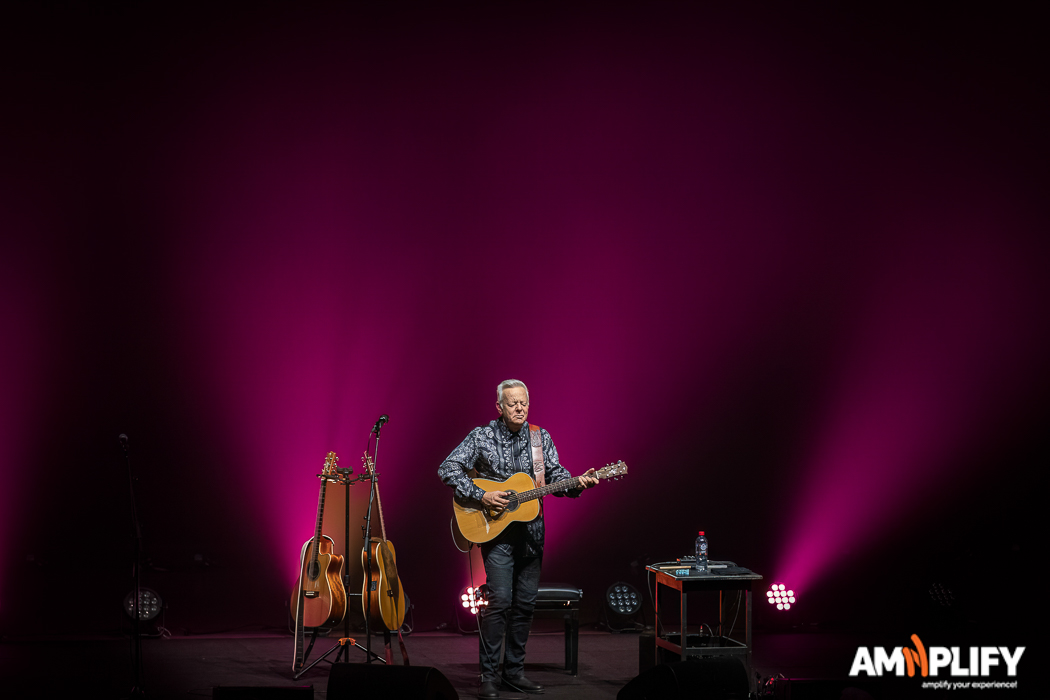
(330, 462)
(612, 471)
(367, 463)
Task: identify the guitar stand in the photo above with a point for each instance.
(344, 644)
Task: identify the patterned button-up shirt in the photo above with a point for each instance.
(496, 453)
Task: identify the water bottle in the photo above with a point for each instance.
(701, 553)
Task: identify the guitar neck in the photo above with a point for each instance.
(370, 466)
(533, 494)
(320, 520)
(329, 464)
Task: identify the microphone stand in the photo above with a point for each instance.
(137, 689)
(370, 584)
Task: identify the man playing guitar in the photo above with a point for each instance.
(504, 447)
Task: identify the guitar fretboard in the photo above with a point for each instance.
(329, 463)
(533, 494)
(320, 519)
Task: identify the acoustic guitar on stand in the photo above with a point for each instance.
(319, 599)
(477, 523)
(383, 595)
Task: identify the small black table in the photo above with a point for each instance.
(725, 576)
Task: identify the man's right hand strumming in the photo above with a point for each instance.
(496, 500)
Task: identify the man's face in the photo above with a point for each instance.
(515, 408)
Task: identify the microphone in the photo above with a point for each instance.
(123, 439)
(379, 423)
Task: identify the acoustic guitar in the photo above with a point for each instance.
(382, 594)
(478, 523)
(319, 599)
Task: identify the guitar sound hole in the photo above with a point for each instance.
(512, 505)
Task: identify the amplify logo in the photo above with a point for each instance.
(902, 659)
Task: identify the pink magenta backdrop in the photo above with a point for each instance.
(755, 264)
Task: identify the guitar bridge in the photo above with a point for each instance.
(311, 594)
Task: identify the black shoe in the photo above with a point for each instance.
(523, 685)
(488, 691)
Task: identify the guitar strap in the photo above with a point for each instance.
(538, 468)
(404, 651)
(299, 659)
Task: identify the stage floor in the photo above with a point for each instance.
(189, 667)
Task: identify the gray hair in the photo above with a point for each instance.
(507, 384)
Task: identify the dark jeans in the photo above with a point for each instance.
(513, 579)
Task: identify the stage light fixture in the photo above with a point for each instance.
(623, 599)
(623, 603)
(471, 602)
(941, 595)
(150, 604)
(780, 596)
(473, 599)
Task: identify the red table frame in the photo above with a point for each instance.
(691, 582)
